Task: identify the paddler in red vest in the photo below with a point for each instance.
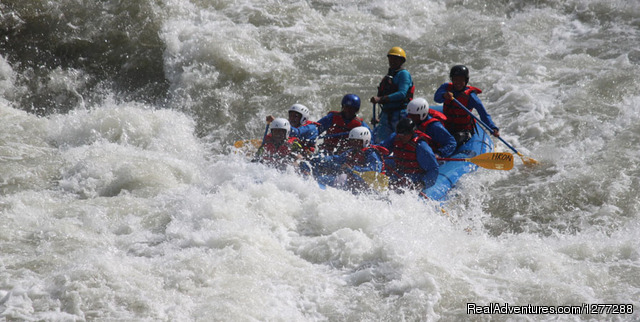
(338, 124)
(429, 122)
(394, 93)
(338, 169)
(414, 165)
(302, 128)
(279, 150)
(459, 123)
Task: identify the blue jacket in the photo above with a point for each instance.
(333, 163)
(306, 133)
(426, 160)
(439, 134)
(327, 170)
(474, 102)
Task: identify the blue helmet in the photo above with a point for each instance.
(351, 100)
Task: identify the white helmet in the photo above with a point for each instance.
(280, 123)
(303, 110)
(418, 106)
(361, 133)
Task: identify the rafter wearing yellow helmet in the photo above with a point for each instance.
(394, 93)
(397, 51)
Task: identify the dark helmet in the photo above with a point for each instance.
(351, 100)
(459, 70)
(405, 126)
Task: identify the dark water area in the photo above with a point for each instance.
(105, 45)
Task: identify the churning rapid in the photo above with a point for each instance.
(120, 198)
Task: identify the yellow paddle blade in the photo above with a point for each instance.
(248, 143)
(527, 160)
(493, 160)
(247, 147)
(376, 180)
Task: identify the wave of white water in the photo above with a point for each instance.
(121, 210)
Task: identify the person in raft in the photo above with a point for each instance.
(459, 123)
(338, 124)
(394, 93)
(279, 149)
(302, 128)
(430, 122)
(341, 170)
(413, 164)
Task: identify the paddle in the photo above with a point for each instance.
(256, 143)
(374, 119)
(376, 180)
(525, 160)
(242, 143)
(259, 152)
(489, 160)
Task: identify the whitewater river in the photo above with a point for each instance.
(120, 199)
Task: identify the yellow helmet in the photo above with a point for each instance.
(397, 51)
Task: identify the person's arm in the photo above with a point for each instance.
(446, 141)
(438, 97)
(260, 152)
(325, 123)
(367, 126)
(474, 102)
(329, 163)
(388, 143)
(307, 132)
(428, 162)
(295, 132)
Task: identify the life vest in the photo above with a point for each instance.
(359, 159)
(279, 154)
(387, 86)
(307, 122)
(405, 154)
(336, 137)
(458, 119)
(308, 145)
(436, 116)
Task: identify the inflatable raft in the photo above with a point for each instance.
(449, 173)
(452, 171)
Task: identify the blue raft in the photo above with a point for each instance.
(451, 171)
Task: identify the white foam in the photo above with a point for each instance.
(125, 211)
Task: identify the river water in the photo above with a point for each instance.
(120, 198)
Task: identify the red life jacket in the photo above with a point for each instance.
(405, 154)
(387, 86)
(307, 145)
(457, 118)
(436, 116)
(277, 154)
(337, 143)
(307, 122)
